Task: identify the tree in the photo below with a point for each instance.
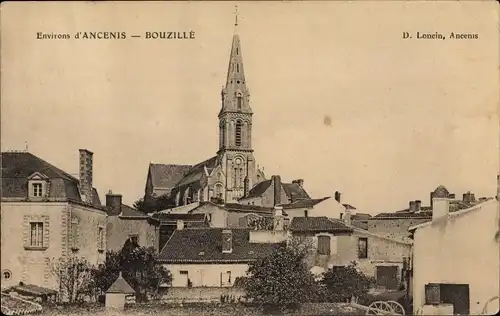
(74, 275)
(343, 282)
(139, 266)
(280, 280)
(154, 204)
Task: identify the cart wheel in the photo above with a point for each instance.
(397, 308)
(380, 308)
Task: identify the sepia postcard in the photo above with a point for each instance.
(250, 158)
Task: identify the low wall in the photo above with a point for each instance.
(201, 294)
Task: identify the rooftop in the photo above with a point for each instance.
(204, 245)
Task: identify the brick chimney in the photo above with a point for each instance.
(337, 196)
(418, 205)
(277, 189)
(86, 175)
(468, 197)
(113, 203)
(411, 208)
(227, 241)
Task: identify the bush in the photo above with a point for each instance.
(280, 281)
(343, 282)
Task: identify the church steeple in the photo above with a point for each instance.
(235, 116)
(235, 94)
(235, 127)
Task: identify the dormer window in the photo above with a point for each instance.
(37, 185)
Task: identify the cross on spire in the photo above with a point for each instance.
(236, 15)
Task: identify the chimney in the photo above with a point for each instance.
(347, 216)
(337, 196)
(411, 209)
(279, 219)
(440, 203)
(277, 189)
(246, 186)
(180, 224)
(418, 205)
(468, 197)
(113, 203)
(227, 241)
(86, 175)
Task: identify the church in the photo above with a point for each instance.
(232, 173)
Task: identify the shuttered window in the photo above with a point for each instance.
(323, 245)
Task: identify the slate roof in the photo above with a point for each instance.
(259, 189)
(291, 190)
(166, 176)
(349, 207)
(195, 173)
(263, 210)
(304, 203)
(120, 286)
(128, 211)
(18, 166)
(204, 245)
(294, 190)
(191, 220)
(318, 224)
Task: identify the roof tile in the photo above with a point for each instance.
(185, 246)
(318, 224)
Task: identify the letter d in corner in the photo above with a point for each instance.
(406, 35)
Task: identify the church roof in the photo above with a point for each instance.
(18, 166)
(167, 175)
(195, 173)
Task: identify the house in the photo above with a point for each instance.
(456, 258)
(206, 262)
(124, 222)
(395, 225)
(47, 213)
(338, 243)
(169, 222)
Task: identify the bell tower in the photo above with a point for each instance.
(235, 127)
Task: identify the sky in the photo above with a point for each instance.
(339, 98)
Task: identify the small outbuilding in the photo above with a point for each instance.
(118, 293)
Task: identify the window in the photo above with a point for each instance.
(225, 278)
(210, 217)
(6, 275)
(305, 213)
(240, 102)
(237, 67)
(323, 245)
(36, 235)
(74, 233)
(240, 180)
(101, 238)
(238, 133)
(37, 189)
(363, 248)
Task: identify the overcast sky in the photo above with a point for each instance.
(405, 115)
